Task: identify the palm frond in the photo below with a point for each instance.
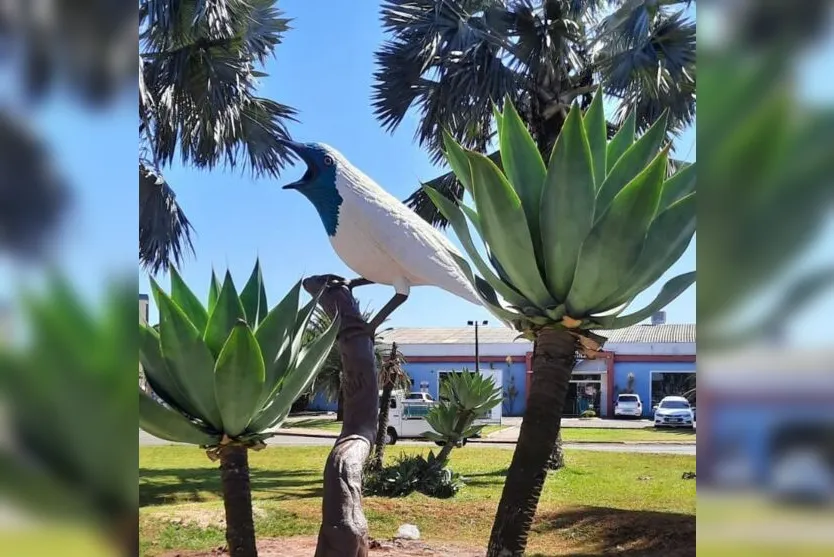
(446, 60)
(164, 230)
(647, 62)
(199, 67)
(449, 60)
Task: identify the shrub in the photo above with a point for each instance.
(413, 473)
(588, 414)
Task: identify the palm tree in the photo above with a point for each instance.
(226, 374)
(455, 59)
(572, 243)
(452, 59)
(199, 67)
(391, 376)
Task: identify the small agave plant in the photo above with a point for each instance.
(224, 375)
(463, 397)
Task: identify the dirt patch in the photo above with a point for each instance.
(305, 546)
(202, 518)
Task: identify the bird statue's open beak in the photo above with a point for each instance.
(303, 152)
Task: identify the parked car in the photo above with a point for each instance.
(628, 405)
(673, 411)
(419, 396)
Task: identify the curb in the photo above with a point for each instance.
(289, 433)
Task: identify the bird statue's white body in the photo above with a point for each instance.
(384, 241)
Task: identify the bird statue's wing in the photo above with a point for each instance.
(421, 251)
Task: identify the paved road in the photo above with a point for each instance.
(298, 440)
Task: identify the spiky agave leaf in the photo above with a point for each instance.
(238, 373)
(609, 222)
(464, 397)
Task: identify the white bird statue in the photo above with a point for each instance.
(376, 236)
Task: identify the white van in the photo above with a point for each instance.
(407, 416)
(628, 405)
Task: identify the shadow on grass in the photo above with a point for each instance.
(312, 423)
(186, 485)
(621, 532)
(679, 431)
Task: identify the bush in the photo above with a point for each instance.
(412, 473)
(588, 414)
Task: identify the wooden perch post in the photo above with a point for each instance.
(344, 529)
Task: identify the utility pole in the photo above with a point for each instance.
(477, 355)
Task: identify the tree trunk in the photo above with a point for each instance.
(344, 529)
(237, 500)
(557, 456)
(382, 426)
(443, 456)
(384, 406)
(554, 357)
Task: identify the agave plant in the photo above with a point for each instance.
(570, 243)
(463, 397)
(226, 374)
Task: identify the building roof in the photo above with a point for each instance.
(643, 333)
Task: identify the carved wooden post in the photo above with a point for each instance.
(344, 529)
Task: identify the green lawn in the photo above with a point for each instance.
(325, 424)
(569, 435)
(600, 500)
(645, 435)
(487, 430)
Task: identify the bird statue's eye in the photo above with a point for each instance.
(328, 160)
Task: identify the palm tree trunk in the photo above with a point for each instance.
(382, 426)
(237, 500)
(557, 457)
(554, 357)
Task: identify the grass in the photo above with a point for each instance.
(490, 429)
(327, 424)
(601, 500)
(645, 435)
(569, 435)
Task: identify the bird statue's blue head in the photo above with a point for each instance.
(318, 184)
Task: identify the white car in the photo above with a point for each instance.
(418, 396)
(628, 405)
(674, 411)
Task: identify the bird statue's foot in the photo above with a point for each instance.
(385, 312)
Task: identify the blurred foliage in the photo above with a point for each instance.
(83, 48)
(68, 395)
(33, 195)
(768, 175)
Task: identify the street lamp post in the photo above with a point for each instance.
(477, 355)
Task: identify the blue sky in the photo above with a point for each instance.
(324, 69)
